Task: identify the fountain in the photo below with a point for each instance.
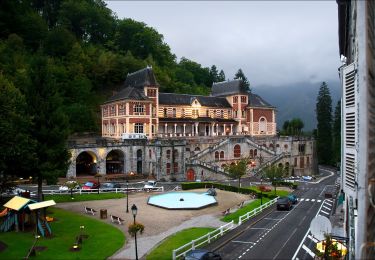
(182, 200)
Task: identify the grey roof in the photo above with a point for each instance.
(141, 78)
(186, 99)
(227, 88)
(257, 101)
(128, 93)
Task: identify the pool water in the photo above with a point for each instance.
(182, 200)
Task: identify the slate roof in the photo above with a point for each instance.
(186, 99)
(227, 88)
(141, 78)
(128, 93)
(257, 101)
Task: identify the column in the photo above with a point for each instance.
(175, 129)
(165, 128)
(212, 129)
(231, 129)
(225, 130)
(184, 129)
(217, 129)
(196, 128)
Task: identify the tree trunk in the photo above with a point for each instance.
(239, 184)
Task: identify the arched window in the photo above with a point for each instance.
(149, 153)
(168, 154)
(285, 146)
(168, 168)
(174, 113)
(221, 155)
(277, 145)
(217, 156)
(197, 149)
(255, 152)
(262, 125)
(251, 153)
(175, 167)
(237, 151)
(175, 153)
(271, 145)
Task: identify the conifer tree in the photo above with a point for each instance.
(221, 76)
(324, 127)
(337, 133)
(241, 75)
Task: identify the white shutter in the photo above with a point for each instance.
(350, 118)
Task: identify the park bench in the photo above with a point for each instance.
(118, 220)
(90, 211)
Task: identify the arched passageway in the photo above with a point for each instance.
(139, 161)
(114, 162)
(86, 164)
(190, 175)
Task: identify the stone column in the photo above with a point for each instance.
(231, 129)
(165, 128)
(217, 129)
(212, 129)
(225, 130)
(175, 129)
(184, 129)
(196, 129)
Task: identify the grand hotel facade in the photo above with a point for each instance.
(186, 137)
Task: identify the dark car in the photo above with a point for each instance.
(110, 186)
(91, 185)
(283, 203)
(292, 198)
(202, 254)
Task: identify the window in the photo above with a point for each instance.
(243, 99)
(153, 129)
(197, 149)
(285, 146)
(277, 145)
(307, 161)
(221, 155)
(175, 153)
(175, 167)
(149, 153)
(295, 162)
(237, 151)
(195, 113)
(187, 149)
(138, 108)
(262, 125)
(168, 154)
(168, 168)
(165, 112)
(121, 109)
(255, 152)
(235, 99)
(151, 92)
(251, 153)
(243, 113)
(182, 112)
(221, 113)
(207, 113)
(113, 110)
(138, 128)
(105, 111)
(174, 113)
(217, 156)
(301, 148)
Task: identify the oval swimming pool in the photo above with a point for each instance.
(182, 200)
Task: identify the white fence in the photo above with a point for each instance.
(181, 251)
(116, 190)
(255, 211)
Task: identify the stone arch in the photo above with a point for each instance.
(86, 163)
(251, 153)
(237, 151)
(262, 125)
(114, 162)
(217, 155)
(280, 165)
(222, 155)
(190, 175)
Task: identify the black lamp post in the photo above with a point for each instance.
(127, 196)
(134, 211)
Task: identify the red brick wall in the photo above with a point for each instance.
(139, 120)
(258, 113)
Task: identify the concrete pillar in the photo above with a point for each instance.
(196, 129)
(212, 130)
(175, 129)
(231, 129)
(165, 128)
(217, 129)
(225, 130)
(184, 130)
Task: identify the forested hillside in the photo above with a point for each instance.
(59, 60)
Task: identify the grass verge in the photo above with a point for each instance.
(83, 197)
(102, 242)
(242, 211)
(164, 250)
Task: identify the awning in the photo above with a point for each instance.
(17, 203)
(340, 247)
(43, 204)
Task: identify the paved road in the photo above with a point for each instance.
(279, 234)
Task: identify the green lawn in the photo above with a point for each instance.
(103, 239)
(84, 197)
(164, 250)
(247, 208)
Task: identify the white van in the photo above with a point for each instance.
(150, 184)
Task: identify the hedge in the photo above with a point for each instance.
(285, 183)
(200, 185)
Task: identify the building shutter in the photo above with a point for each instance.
(350, 118)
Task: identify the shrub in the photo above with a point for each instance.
(134, 228)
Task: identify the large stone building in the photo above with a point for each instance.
(182, 136)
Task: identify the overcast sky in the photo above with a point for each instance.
(274, 43)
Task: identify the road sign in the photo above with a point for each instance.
(320, 226)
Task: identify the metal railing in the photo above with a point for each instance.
(255, 211)
(181, 251)
(115, 190)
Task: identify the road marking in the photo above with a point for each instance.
(285, 243)
(273, 218)
(312, 200)
(311, 253)
(324, 212)
(307, 200)
(326, 207)
(313, 238)
(243, 242)
(302, 199)
(260, 228)
(329, 203)
(319, 200)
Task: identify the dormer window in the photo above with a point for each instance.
(139, 108)
(243, 99)
(235, 99)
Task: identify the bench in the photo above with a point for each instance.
(90, 210)
(118, 220)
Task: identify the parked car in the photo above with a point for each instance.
(110, 186)
(150, 184)
(292, 198)
(201, 254)
(90, 185)
(283, 203)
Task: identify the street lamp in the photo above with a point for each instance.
(134, 212)
(127, 196)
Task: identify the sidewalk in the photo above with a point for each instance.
(145, 244)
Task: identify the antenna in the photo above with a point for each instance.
(320, 226)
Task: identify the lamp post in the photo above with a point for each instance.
(127, 196)
(134, 212)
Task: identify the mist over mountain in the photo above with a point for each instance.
(297, 100)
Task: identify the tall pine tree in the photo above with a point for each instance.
(324, 128)
(337, 133)
(221, 76)
(241, 75)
